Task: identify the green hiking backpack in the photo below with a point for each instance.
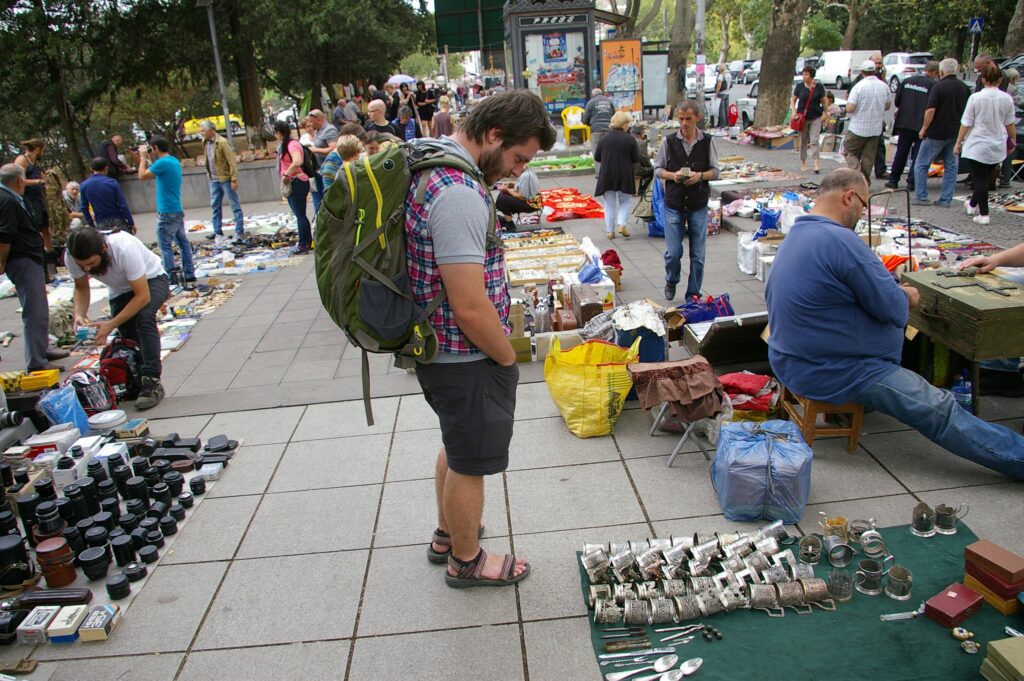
(360, 254)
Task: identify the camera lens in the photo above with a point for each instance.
(128, 521)
(155, 538)
(139, 464)
(76, 451)
(158, 509)
(115, 533)
(27, 512)
(138, 536)
(9, 419)
(74, 540)
(92, 499)
(163, 466)
(168, 526)
(137, 489)
(66, 509)
(105, 519)
(124, 550)
(152, 475)
(84, 525)
(134, 571)
(161, 493)
(135, 507)
(107, 488)
(186, 500)
(178, 512)
(149, 554)
(149, 524)
(48, 521)
(175, 481)
(118, 587)
(96, 471)
(94, 562)
(110, 505)
(8, 523)
(197, 485)
(74, 493)
(6, 474)
(45, 488)
(21, 475)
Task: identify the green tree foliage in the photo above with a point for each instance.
(820, 34)
(420, 65)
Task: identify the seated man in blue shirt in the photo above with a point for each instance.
(837, 323)
(103, 202)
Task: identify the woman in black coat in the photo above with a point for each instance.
(617, 152)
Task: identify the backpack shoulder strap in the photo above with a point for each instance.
(425, 157)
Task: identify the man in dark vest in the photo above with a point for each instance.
(687, 161)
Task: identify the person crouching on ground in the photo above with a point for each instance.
(138, 287)
(838, 320)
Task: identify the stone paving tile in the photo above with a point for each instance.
(158, 667)
(837, 475)
(401, 580)
(336, 462)
(570, 497)
(255, 593)
(678, 492)
(541, 443)
(250, 472)
(185, 426)
(885, 511)
(561, 649)
(274, 358)
(213, 531)
(632, 435)
(206, 382)
(408, 512)
(415, 414)
(413, 454)
(249, 377)
(310, 366)
(173, 593)
(345, 419)
(922, 465)
(553, 587)
(320, 661)
(292, 523)
(256, 427)
(178, 366)
(484, 652)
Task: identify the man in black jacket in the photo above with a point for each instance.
(911, 101)
(21, 258)
(687, 161)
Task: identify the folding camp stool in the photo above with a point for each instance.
(682, 441)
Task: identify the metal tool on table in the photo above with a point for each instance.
(1001, 289)
(1010, 631)
(897, 616)
(636, 653)
(632, 633)
(627, 644)
(661, 665)
(679, 639)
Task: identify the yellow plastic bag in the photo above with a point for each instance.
(589, 384)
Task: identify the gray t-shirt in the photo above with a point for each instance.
(458, 227)
(528, 185)
(324, 136)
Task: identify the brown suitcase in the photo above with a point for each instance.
(585, 303)
(564, 320)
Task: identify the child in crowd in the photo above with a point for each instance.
(349, 148)
(830, 122)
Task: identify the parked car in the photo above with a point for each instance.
(736, 70)
(902, 65)
(191, 126)
(752, 72)
(1015, 62)
(691, 81)
(748, 105)
(801, 62)
(839, 68)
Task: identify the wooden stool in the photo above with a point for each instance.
(804, 412)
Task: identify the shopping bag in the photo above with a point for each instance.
(589, 384)
(656, 225)
(707, 309)
(762, 471)
(796, 123)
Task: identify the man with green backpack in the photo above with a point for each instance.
(444, 304)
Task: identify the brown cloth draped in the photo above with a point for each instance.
(689, 386)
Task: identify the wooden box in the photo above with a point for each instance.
(973, 322)
(728, 340)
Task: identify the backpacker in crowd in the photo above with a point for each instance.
(361, 257)
(121, 365)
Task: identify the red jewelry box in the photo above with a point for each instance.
(953, 605)
(996, 560)
(997, 585)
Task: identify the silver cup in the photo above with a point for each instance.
(838, 552)
(946, 517)
(899, 583)
(868, 578)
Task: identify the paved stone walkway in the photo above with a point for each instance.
(307, 559)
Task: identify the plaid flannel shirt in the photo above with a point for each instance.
(424, 274)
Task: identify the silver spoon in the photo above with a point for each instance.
(661, 665)
(688, 667)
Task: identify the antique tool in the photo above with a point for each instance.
(661, 665)
(627, 644)
(636, 653)
(965, 272)
(1010, 631)
(896, 616)
(676, 640)
(690, 628)
(624, 634)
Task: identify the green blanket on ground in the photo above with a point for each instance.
(850, 643)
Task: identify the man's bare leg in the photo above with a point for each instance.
(463, 502)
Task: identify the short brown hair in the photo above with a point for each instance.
(518, 114)
(348, 147)
(990, 73)
(33, 144)
(354, 129)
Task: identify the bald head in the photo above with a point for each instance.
(375, 110)
(842, 197)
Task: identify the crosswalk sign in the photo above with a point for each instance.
(975, 25)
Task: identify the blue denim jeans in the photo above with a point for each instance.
(218, 189)
(317, 189)
(297, 202)
(695, 226)
(170, 229)
(934, 412)
(929, 151)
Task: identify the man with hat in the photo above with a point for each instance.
(866, 106)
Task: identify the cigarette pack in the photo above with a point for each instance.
(133, 428)
(64, 627)
(99, 623)
(33, 629)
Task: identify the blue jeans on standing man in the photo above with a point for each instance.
(170, 229)
(929, 151)
(297, 202)
(695, 225)
(934, 412)
(218, 188)
(318, 194)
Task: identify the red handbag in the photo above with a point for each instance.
(797, 121)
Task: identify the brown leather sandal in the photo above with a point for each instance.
(469, 573)
(444, 539)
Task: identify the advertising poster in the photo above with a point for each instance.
(622, 73)
(557, 69)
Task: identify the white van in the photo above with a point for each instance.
(839, 69)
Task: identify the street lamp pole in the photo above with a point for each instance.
(208, 4)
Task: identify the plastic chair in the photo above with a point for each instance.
(574, 111)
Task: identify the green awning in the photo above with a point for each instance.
(458, 24)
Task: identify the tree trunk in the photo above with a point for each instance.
(787, 19)
(679, 50)
(1015, 32)
(56, 77)
(644, 21)
(851, 28)
(248, 76)
(748, 37)
(961, 43)
(723, 52)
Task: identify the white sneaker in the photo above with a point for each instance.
(971, 210)
(982, 219)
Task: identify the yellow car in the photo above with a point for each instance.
(192, 124)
